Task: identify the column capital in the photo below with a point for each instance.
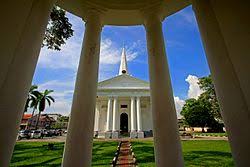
(152, 14)
(110, 98)
(115, 97)
(93, 16)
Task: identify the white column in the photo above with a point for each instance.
(166, 135)
(97, 117)
(109, 115)
(133, 121)
(22, 33)
(115, 110)
(78, 147)
(138, 111)
(232, 98)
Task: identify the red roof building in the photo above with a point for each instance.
(24, 121)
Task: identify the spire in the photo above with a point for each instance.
(123, 66)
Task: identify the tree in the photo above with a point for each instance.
(29, 97)
(61, 122)
(34, 101)
(209, 98)
(43, 99)
(59, 29)
(196, 114)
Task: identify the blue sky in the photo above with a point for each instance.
(57, 70)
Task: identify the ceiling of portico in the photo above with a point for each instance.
(122, 12)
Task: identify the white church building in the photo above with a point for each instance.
(123, 106)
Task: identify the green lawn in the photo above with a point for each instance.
(28, 154)
(196, 153)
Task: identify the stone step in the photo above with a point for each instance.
(125, 157)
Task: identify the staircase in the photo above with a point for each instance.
(124, 156)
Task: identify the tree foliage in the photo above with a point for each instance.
(208, 97)
(31, 96)
(205, 110)
(59, 29)
(44, 98)
(196, 114)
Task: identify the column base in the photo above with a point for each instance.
(115, 135)
(95, 133)
(140, 134)
(108, 135)
(133, 134)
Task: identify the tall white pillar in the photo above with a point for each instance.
(166, 136)
(133, 133)
(109, 115)
(138, 112)
(115, 108)
(140, 133)
(78, 147)
(219, 52)
(22, 33)
(97, 118)
(115, 122)
(132, 113)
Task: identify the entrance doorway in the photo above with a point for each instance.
(124, 123)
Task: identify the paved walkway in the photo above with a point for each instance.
(125, 158)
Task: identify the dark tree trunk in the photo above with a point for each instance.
(38, 119)
(30, 122)
(34, 109)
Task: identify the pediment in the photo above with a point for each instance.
(123, 81)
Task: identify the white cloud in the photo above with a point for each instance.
(110, 54)
(188, 16)
(185, 18)
(179, 103)
(194, 90)
(55, 84)
(68, 57)
(61, 106)
(63, 93)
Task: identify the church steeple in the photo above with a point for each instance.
(123, 66)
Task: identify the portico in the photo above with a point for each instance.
(122, 106)
(226, 39)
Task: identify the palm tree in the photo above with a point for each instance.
(43, 98)
(30, 96)
(34, 101)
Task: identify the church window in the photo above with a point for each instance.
(124, 106)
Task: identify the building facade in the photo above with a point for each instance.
(123, 106)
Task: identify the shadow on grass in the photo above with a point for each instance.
(195, 154)
(103, 153)
(208, 158)
(45, 163)
(29, 154)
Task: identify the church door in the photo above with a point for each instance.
(124, 123)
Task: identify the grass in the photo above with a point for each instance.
(36, 154)
(196, 153)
